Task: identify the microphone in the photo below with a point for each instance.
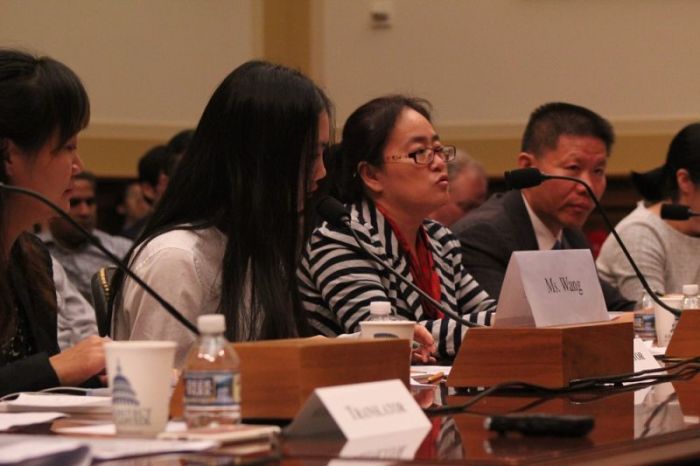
(526, 177)
(336, 214)
(677, 212)
(114, 259)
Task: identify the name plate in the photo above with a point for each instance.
(643, 359)
(545, 288)
(359, 411)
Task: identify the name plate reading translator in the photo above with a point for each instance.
(544, 288)
(360, 410)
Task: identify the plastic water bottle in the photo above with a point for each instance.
(212, 377)
(690, 297)
(645, 320)
(381, 310)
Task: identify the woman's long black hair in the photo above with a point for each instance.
(684, 152)
(245, 172)
(39, 98)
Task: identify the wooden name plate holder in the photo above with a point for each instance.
(685, 341)
(549, 356)
(277, 376)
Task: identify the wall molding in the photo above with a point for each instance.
(631, 126)
(625, 126)
(134, 130)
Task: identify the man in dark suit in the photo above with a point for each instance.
(560, 139)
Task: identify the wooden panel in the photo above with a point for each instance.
(287, 33)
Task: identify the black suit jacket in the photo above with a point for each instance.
(491, 233)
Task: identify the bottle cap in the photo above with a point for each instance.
(690, 290)
(380, 308)
(211, 323)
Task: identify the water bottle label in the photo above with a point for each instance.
(212, 388)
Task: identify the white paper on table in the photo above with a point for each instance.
(113, 448)
(15, 448)
(41, 449)
(431, 369)
(419, 372)
(109, 428)
(9, 420)
(63, 403)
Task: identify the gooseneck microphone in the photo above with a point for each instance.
(114, 259)
(529, 177)
(677, 212)
(336, 214)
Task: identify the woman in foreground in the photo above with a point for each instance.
(43, 106)
(394, 173)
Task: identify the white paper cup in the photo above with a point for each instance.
(139, 374)
(665, 320)
(402, 329)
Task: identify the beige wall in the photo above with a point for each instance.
(485, 64)
(150, 65)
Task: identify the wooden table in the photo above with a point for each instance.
(658, 424)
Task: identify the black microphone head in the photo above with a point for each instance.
(523, 178)
(675, 212)
(333, 211)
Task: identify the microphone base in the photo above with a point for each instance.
(685, 341)
(550, 356)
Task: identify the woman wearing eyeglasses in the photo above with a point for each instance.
(394, 173)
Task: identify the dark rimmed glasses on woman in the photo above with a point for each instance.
(426, 155)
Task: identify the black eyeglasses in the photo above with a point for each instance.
(76, 201)
(426, 155)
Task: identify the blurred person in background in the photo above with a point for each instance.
(134, 209)
(80, 258)
(468, 189)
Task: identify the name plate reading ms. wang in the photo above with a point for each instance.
(545, 288)
(360, 410)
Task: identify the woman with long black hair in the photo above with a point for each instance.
(43, 106)
(227, 234)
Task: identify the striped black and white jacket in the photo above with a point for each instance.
(337, 281)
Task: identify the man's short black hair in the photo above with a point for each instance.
(152, 164)
(87, 176)
(555, 119)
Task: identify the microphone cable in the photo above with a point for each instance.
(114, 259)
(528, 177)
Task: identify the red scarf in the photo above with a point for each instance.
(421, 265)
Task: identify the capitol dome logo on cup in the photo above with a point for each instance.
(139, 374)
